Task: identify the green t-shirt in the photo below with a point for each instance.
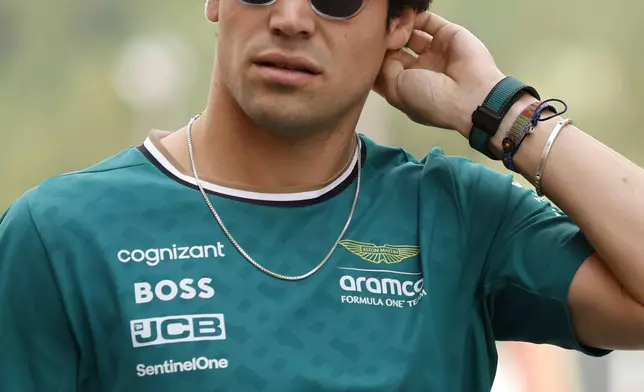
(118, 278)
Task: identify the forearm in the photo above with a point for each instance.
(599, 189)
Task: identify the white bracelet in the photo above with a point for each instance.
(546, 152)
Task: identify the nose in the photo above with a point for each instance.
(292, 18)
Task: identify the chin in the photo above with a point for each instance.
(287, 119)
(290, 127)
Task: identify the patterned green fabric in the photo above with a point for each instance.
(118, 278)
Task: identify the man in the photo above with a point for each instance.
(265, 247)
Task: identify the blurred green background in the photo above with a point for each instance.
(81, 80)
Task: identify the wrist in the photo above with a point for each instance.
(507, 121)
(464, 123)
(488, 116)
(527, 158)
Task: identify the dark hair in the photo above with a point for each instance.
(396, 7)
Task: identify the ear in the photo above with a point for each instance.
(400, 29)
(212, 10)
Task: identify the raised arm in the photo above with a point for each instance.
(442, 83)
(603, 193)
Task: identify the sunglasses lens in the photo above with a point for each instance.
(337, 8)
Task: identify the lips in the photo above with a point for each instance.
(291, 63)
(286, 66)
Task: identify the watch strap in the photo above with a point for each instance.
(487, 118)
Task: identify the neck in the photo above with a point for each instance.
(230, 148)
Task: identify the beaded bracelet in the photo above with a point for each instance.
(521, 127)
(524, 126)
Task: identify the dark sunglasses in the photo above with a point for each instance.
(330, 9)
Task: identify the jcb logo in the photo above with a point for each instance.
(177, 329)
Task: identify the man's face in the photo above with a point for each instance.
(295, 72)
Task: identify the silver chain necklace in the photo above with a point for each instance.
(234, 242)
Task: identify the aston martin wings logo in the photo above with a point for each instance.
(388, 254)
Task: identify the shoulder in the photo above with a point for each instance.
(114, 169)
(75, 193)
(438, 170)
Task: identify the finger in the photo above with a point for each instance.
(420, 42)
(430, 23)
(387, 81)
(441, 30)
(403, 56)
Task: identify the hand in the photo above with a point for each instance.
(449, 78)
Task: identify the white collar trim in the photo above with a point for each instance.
(275, 197)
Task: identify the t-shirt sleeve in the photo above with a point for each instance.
(531, 251)
(37, 347)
